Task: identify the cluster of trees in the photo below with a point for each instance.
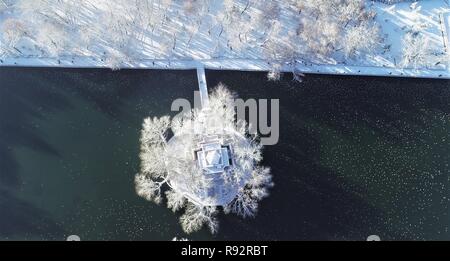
(324, 31)
(122, 31)
(170, 162)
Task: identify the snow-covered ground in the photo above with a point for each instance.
(203, 46)
(399, 19)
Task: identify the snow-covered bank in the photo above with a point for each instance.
(412, 39)
(231, 64)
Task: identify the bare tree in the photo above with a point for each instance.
(275, 73)
(328, 26)
(13, 31)
(52, 38)
(361, 38)
(246, 202)
(175, 200)
(33, 8)
(148, 188)
(196, 216)
(416, 50)
(153, 138)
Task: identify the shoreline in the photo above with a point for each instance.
(230, 65)
(391, 18)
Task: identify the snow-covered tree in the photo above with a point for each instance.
(275, 73)
(148, 188)
(13, 31)
(246, 202)
(175, 200)
(236, 24)
(361, 38)
(195, 216)
(327, 26)
(53, 39)
(153, 139)
(114, 59)
(416, 50)
(270, 13)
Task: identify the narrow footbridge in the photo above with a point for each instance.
(202, 85)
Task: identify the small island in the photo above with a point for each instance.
(203, 160)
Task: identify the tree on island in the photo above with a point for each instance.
(13, 31)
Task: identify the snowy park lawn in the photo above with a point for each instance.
(181, 43)
(399, 19)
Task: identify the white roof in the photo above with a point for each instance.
(213, 157)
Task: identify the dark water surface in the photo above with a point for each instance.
(357, 156)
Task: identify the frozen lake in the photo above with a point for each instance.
(357, 156)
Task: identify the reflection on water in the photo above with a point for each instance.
(357, 156)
